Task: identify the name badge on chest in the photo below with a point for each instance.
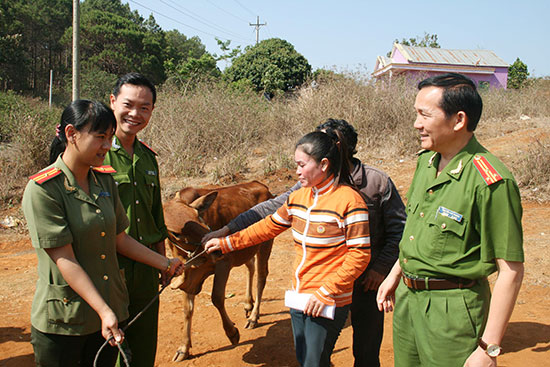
(449, 214)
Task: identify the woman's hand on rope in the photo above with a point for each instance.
(109, 328)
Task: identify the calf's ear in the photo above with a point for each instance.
(204, 202)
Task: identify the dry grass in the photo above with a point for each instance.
(532, 170)
(27, 128)
(214, 132)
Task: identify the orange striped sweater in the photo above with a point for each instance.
(331, 236)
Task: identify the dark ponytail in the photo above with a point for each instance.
(80, 113)
(332, 146)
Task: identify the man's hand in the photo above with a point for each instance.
(174, 269)
(372, 280)
(386, 291)
(480, 359)
(222, 232)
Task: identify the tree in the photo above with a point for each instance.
(517, 74)
(429, 40)
(271, 65)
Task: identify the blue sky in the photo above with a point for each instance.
(348, 35)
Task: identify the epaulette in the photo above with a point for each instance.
(104, 169)
(488, 173)
(148, 147)
(45, 175)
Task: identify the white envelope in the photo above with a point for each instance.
(298, 301)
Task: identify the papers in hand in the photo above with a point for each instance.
(298, 301)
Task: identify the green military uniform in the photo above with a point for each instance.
(138, 183)
(59, 213)
(457, 224)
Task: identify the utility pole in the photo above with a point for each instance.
(76, 51)
(257, 25)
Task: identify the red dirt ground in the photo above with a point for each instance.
(526, 343)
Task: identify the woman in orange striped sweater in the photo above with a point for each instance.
(329, 221)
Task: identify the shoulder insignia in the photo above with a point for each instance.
(45, 175)
(148, 147)
(104, 169)
(488, 173)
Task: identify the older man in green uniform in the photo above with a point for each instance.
(463, 224)
(137, 177)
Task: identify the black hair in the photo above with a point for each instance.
(330, 145)
(80, 114)
(459, 94)
(347, 130)
(135, 79)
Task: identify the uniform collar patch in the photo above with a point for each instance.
(458, 169)
(431, 160)
(115, 144)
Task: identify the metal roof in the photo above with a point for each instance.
(430, 55)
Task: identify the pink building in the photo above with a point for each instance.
(482, 66)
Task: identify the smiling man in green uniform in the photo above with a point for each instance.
(137, 177)
(463, 224)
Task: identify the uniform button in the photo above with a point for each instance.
(138, 220)
(422, 215)
(137, 201)
(405, 260)
(98, 211)
(411, 238)
(65, 300)
(430, 191)
(443, 226)
(105, 277)
(103, 256)
(102, 234)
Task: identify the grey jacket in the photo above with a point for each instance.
(386, 214)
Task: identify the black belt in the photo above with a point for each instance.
(437, 284)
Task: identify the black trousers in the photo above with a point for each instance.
(368, 327)
(54, 350)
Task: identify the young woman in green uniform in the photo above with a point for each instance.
(76, 223)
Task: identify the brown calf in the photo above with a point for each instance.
(191, 214)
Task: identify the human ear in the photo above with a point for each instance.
(70, 133)
(324, 164)
(461, 121)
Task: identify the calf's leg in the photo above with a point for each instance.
(262, 269)
(188, 307)
(249, 301)
(221, 275)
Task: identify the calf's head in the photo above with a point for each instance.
(183, 217)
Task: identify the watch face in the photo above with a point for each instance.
(493, 350)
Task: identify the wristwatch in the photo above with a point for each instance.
(492, 350)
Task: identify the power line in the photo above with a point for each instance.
(203, 21)
(177, 21)
(227, 12)
(245, 8)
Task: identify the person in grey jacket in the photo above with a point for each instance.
(386, 222)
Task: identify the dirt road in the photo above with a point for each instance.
(526, 343)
